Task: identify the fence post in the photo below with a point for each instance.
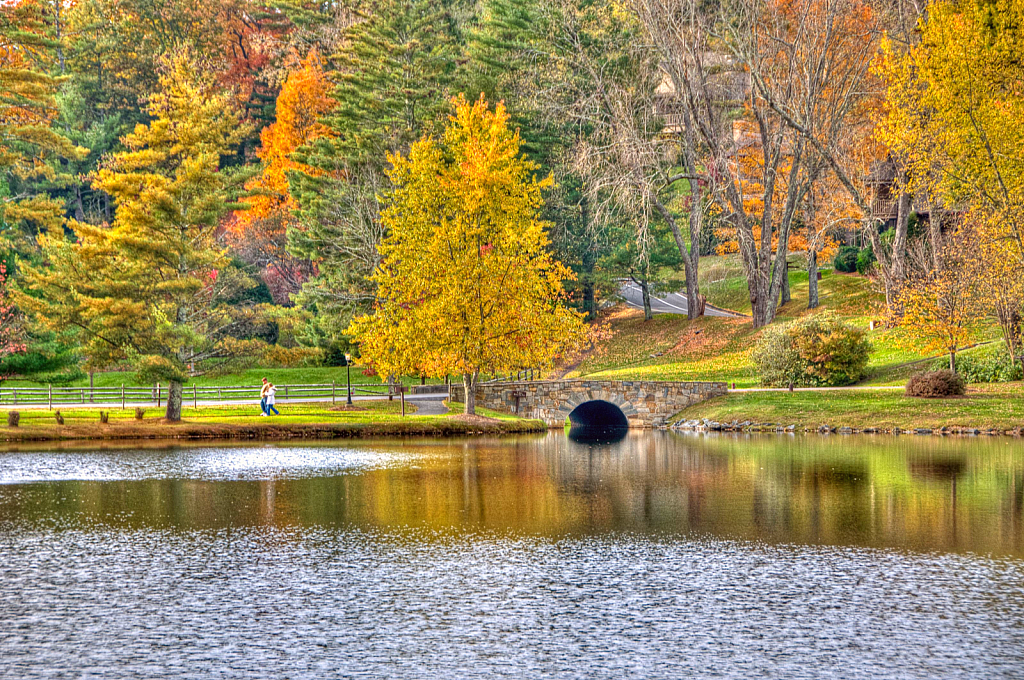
(334, 393)
(285, 391)
(83, 395)
(49, 396)
(195, 397)
(401, 391)
(158, 395)
(122, 396)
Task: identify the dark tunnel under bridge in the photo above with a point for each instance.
(598, 414)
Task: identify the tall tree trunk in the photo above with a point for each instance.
(646, 291)
(758, 281)
(812, 278)
(469, 383)
(935, 215)
(691, 260)
(589, 303)
(952, 362)
(695, 302)
(173, 413)
(79, 206)
(785, 296)
(899, 241)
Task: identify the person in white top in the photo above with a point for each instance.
(263, 397)
(271, 391)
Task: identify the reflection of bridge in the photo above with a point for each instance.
(644, 403)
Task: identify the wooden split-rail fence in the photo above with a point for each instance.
(157, 394)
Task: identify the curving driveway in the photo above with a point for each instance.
(668, 303)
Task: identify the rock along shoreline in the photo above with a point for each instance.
(707, 425)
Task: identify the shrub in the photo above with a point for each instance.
(988, 367)
(13, 418)
(777, 361)
(935, 384)
(865, 258)
(818, 350)
(140, 413)
(846, 259)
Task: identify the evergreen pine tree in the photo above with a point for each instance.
(150, 290)
(31, 146)
(393, 79)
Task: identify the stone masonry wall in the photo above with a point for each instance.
(646, 403)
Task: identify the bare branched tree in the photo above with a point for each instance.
(635, 156)
(779, 83)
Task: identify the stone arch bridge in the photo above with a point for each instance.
(644, 403)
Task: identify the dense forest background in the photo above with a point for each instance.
(210, 175)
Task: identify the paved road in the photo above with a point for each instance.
(670, 303)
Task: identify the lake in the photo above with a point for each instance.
(657, 556)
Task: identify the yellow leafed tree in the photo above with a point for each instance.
(467, 284)
(943, 309)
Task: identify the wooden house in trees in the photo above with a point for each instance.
(885, 196)
(885, 199)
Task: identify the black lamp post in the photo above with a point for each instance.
(348, 371)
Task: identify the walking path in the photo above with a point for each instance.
(431, 407)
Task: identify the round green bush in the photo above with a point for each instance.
(865, 258)
(846, 259)
(777, 361)
(818, 350)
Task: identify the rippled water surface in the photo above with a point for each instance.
(659, 556)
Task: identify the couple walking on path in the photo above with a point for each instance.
(267, 393)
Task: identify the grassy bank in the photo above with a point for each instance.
(999, 406)
(671, 347)
(367, 419)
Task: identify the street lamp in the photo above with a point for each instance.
(348, 370)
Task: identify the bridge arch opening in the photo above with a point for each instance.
(598, 415)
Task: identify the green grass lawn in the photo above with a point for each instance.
(1000, 406)
(365, 411)
(723, 282)
(381, 417)
(671, 347)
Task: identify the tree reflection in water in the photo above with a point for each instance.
(916, 493)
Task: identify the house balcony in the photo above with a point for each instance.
(888, 208)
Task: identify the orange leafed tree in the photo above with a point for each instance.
(259, 232)
(303, 100)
